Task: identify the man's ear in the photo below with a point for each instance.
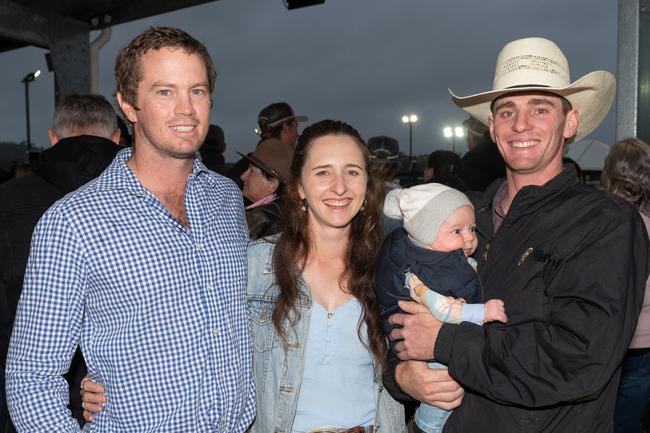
(571, 124)
(491, 127)
(127, 109)
(52, 136)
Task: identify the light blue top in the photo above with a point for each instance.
(280, 367)
(158, 309)
(338, 389)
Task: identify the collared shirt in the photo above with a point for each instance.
(498, 214)
(158, 309)
(263, 201)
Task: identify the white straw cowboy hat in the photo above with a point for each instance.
(537, 64)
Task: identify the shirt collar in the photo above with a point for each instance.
(119, 176)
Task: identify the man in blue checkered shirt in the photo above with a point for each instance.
(144, 268)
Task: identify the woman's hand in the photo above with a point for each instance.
(92, 397)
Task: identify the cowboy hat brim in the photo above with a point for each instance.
(592, 95)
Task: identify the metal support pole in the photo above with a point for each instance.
(28, 145)
(410, 145)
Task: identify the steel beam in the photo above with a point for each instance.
(633, 78)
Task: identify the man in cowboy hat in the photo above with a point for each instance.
(568, 260)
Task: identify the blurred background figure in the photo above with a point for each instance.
(213, 149)
(384, 159)
(264, 182)
(84, 138)
(443, 166)
(566, 161)
(276, 121)
(627, 174)
(384, 165)
(482, 164)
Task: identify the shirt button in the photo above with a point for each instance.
(329, 340)
(215, 331)
(198, 245)
(210, 286)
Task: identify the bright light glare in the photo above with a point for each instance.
(459, 131)
(447, 131)
(405, 119)
(37, 73)
(413, 118)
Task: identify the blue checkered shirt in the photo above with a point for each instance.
(158, 309)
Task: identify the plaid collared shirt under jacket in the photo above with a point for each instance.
(158, 309)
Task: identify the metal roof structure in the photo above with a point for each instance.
(30, 22)
(63, 27)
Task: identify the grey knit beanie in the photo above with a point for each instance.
(424, 208)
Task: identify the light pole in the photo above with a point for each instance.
(453, 132)
(410, 120)
(28, 79)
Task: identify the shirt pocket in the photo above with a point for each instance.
(260, 312)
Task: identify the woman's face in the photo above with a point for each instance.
(333, 182)
(256, 185)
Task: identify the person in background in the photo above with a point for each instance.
(126, 140)
(276, 120)
(444, 166)
(384, 165)
(212, 150)
(84, 137)
(265, 180)
(626, 173)
(482, 164)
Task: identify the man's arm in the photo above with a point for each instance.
(569, 353)
(407, 380)
(47, 328)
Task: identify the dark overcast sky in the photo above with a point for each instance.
(366, 62)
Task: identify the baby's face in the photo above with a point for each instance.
(457, 231)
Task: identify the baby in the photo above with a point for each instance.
(428, 261)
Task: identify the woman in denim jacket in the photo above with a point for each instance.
(319, 347)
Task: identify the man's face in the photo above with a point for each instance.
(530, 130)
(173, 103)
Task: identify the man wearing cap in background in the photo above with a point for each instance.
(569, 261)
(264, 180)
(274, 121)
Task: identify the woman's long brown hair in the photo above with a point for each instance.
(627, 173)
(364, 242)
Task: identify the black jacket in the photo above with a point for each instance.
(265, 220)
(570, 263)
(62, 168)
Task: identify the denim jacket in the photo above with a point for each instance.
(279, 369)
